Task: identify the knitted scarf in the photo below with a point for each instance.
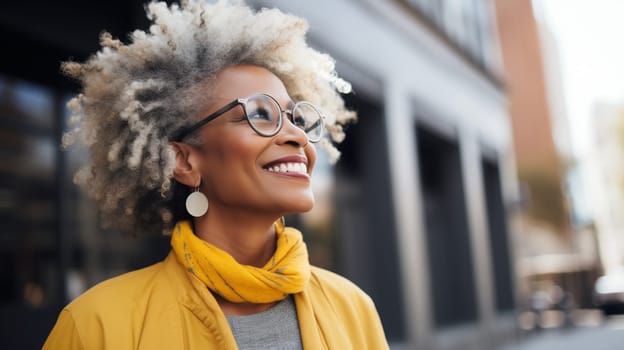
(287, 272)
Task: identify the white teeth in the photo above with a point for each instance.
(300, 168)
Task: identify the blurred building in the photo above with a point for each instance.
(555, 250)
(415, 212)
(607, 180)
(421, 195)
(51, 244)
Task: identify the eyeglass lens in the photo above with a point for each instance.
(306, 117)
(263, 114)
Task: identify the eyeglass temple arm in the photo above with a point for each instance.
(185, 131)
(314, 125)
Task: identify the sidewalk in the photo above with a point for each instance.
(609, 335)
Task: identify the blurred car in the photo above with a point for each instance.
(609, 292)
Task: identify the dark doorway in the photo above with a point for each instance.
(499, 244)
(367, 252)
(448, 240)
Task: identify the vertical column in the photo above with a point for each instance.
(406, 195)
(478, 226)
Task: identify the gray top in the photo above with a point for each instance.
(275, 328)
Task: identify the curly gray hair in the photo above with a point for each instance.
(135, 95)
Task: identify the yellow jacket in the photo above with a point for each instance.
(165, 307)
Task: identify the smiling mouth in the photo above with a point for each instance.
(289, 168)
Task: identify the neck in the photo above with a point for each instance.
(248, 237)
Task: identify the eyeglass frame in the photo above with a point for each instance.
(181, 134)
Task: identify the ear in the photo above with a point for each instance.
(187, 170)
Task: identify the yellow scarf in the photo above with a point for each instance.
(287, 272)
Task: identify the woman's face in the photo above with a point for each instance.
(243, 170)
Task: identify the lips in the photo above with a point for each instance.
(290, 165)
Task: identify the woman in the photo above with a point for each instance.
(205, 128)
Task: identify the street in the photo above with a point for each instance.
(605, 335)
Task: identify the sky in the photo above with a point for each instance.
(590, 35)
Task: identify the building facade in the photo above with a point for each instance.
(555, 246)
(422, 193)
(607, 182)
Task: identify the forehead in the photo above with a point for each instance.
(243, 80)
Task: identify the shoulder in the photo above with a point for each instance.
(340, 290)
(328, 279)
(119, 290)
(121, 302)
(109, 312)
(347, 308)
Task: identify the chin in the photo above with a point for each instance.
(301, 205)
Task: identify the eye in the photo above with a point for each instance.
(299, 120)
(261, 114)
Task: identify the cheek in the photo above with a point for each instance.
(228, 166)
(232, 164)
(244, 150)
(310, 152)
(232, 146)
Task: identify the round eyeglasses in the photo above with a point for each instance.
(264, 116)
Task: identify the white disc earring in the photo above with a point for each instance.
(197, 203)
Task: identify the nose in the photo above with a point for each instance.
(290, 133)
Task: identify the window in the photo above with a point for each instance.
(467, 24)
